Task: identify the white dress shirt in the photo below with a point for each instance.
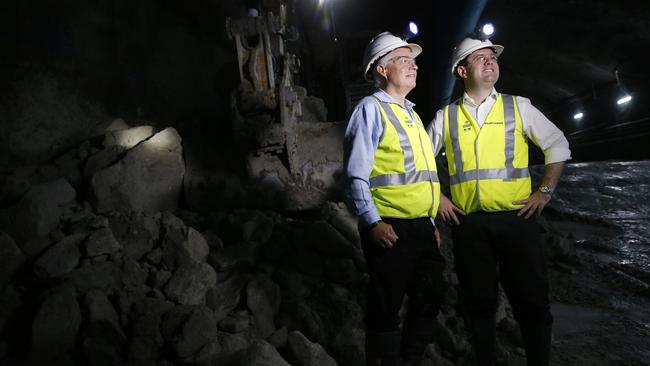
(539, 129)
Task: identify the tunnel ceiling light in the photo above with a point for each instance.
(487, 29)
(578, 116)
(624, 99)
(413, 29)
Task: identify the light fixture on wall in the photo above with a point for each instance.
(622, 94)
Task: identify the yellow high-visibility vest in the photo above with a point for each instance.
(488, 165)
(404, 181)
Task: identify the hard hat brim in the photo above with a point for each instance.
(416, 50)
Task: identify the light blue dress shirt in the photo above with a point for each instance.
(362, 135)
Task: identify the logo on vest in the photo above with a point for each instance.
(467, 126)
(409, 122)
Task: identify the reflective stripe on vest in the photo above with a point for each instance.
(412, 189)
(410, 175)
(508, 173)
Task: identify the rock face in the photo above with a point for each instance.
(127, 138)
(307, 353)
(11, 258)
(61, 258)
(123, 283)
(148, 179)
(39, 211)
(56, 324)
(190, 283)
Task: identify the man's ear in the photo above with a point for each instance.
(462, 72)
(381, 70)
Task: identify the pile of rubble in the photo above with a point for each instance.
(100, 266)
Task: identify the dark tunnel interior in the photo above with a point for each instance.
(169, 198)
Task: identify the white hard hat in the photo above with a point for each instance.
(469, 45)
(380, 46)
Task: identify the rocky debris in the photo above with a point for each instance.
(61, 258)
(127, 285)
(306, 353)
(104, 339)
(263, 299)
(146, 283)
(11, 258)
(102, 159)
(190, 282)
(39, 211)
(191, 334)
(225, 296)
(149, 178)
(260, 353)
(145, 317)
(55, 325)
(127, 138)
(337, 215)
(137, 232)
(10, 303)
(101, 242)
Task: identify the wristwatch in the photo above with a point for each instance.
(546, 190)
(371, 226)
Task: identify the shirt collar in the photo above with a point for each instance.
(469, 101)
(387, 98)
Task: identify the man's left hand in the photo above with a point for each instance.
(533, 204)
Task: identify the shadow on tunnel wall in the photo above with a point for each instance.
(70, 69)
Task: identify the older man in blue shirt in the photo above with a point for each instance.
(393, 188)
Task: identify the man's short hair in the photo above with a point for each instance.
(463, 63)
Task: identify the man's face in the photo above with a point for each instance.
(400, 70)
(482, 67)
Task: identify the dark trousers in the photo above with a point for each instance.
(506, 248)
(412, 267)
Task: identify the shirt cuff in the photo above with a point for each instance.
(368, 218)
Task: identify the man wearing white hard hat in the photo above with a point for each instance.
(493, 208)
(393, 188)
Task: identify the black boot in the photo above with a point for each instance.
(417, 333)
(382, 349)
(537, 342)
(484, 335)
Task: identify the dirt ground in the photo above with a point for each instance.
(601, 308)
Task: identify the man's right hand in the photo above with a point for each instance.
(447, 210)
(383, 235)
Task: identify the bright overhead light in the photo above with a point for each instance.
(487, 29)
(624, 99)
(413, 28)
(578, 115)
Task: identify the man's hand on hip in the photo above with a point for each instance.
(383, 235)
(533, 205)
(447, 211)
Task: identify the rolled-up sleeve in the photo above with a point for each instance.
(435, 131)
(362, 136)
(543, 133)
